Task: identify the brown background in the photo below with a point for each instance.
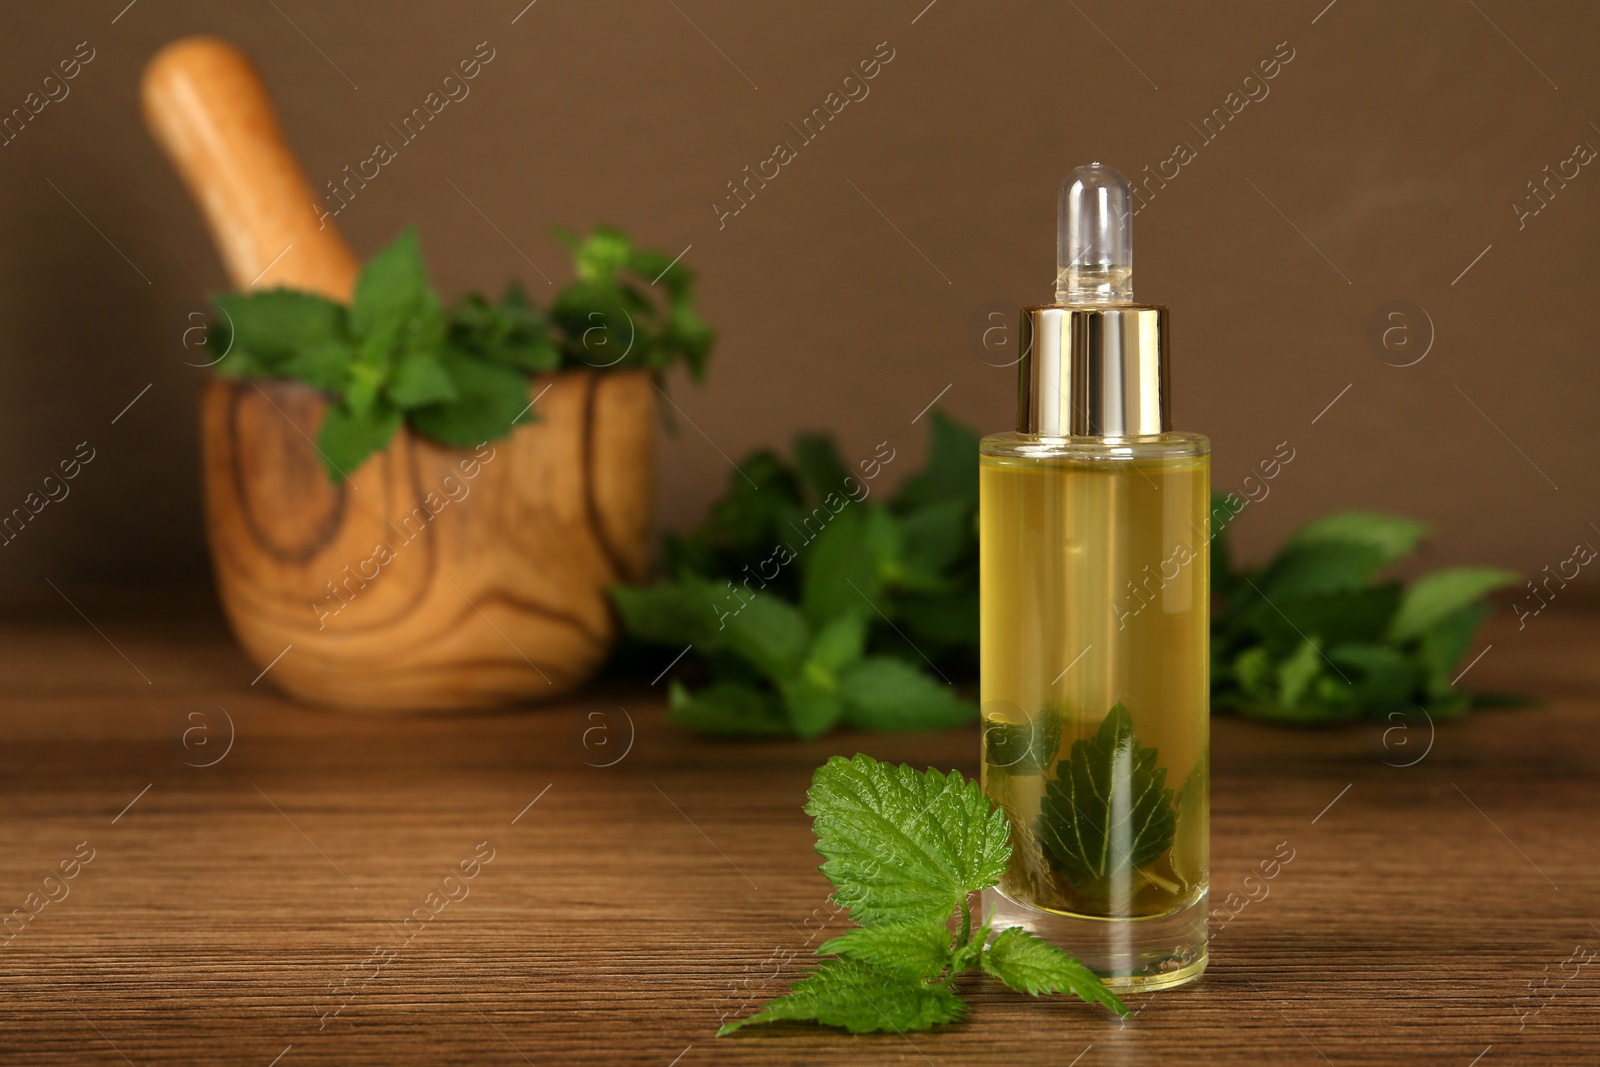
(1394, 143)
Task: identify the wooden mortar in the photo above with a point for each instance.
(432, 577)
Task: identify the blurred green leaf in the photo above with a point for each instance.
(951, 472)
(1432, 598)
(727, 709)
(888, 694)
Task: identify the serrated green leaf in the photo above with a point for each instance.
(686, 335)
(770, 634)
(1322, 567)
(813, 708)
(1256, 673)
(268, 327)
(817, 458)
(1441, 647)
(1430, 599)
(392, 287)
(488, 400)
(363, 386)
(1381, 677)
(322, 364)
(1341, 551)
(512, 332)
(1108, 812)
(948, 620)
(420, 379)
(684, 612)
(964, 958)
(903, 846)
(748, 526)
(881, 693)
(1298, 672)
(1029, 965)
(951, 471)
(1393, 536)
(838, 645)
(919, 949)
(727, 709)
(847, 566)
(840, 568)
(935, 536)
(347, 438)
(600, 324)
(1332, 617)
(860, 998)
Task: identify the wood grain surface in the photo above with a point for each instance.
(432, 577)
(643, 882)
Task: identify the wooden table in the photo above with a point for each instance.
(642, 880)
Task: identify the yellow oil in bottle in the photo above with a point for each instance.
(1095, 693)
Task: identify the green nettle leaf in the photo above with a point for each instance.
(268, 327)
(841, 570)
(881, 693)
(1322, 567)
(949, 620)
(487, 403)
(768, 633)
(323, 364)
(1296, 673)
(1255, 673)
(672, 613)
(935, 536)
(1384, 645)
(817, 459)
(1381, 677)
(1442, 645)
(1022, 748)
(906, 571)
(1029, 965)
(392, 287)
(512, 332)
(1392, 536)
(918, 949)
(1434, 597)
(951, 472)
(904, 849)
(460, 377)
(365, 383)
(419, 379)
(813, 708)
(837, 646)
(347, 438)
(1108, 812)
(904, 846)
(861, 998)
(727, 709)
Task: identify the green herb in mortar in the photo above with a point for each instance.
(461, 376)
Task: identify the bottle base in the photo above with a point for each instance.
(1129, 955)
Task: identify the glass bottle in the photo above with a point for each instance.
(1094, 589)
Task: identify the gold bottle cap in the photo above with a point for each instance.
(1094, 363)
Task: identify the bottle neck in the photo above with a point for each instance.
(1094, 371)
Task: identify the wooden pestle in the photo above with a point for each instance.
(207, 107)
